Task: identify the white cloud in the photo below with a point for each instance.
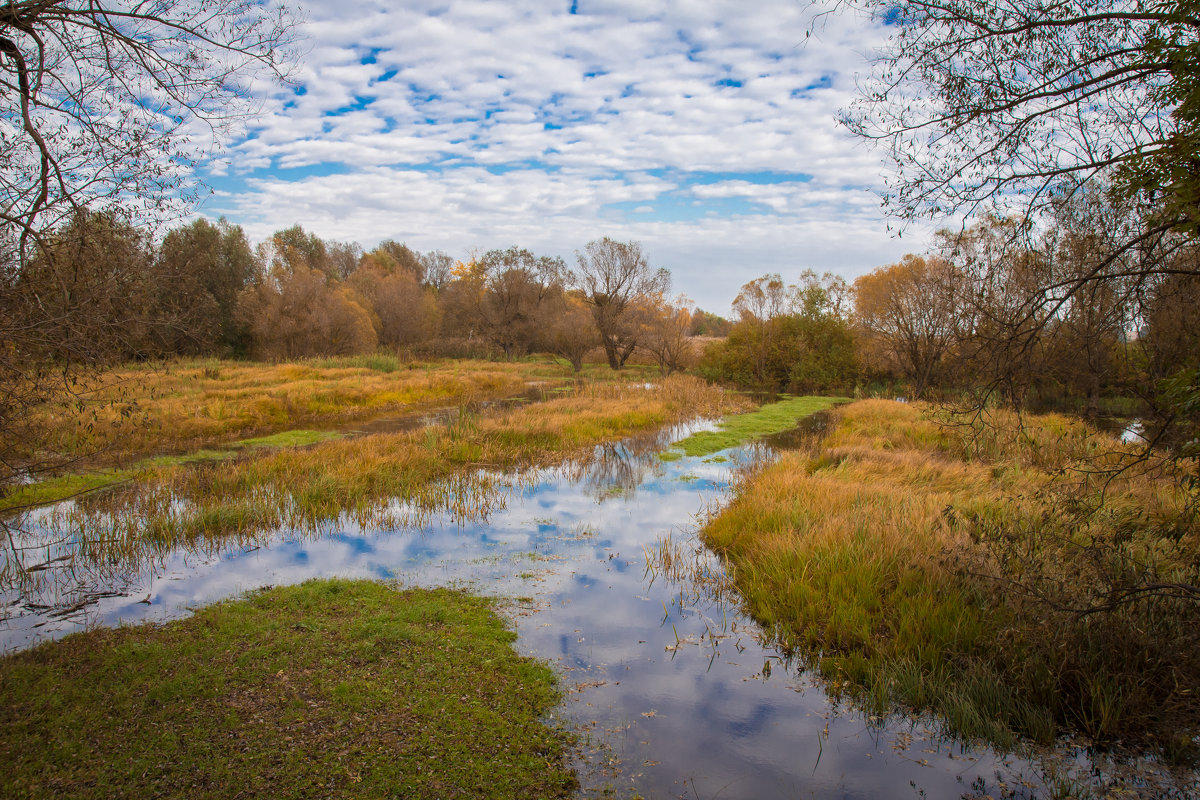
(619, 104)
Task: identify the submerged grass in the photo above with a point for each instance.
(327, 689)
(857, 555)
(294, 438)
(768, 419)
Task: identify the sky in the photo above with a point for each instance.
(705, 130)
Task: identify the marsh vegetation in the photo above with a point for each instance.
(969, 569)
(841, 567)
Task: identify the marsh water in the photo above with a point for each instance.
(671, 691)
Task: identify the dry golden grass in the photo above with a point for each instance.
(184, 405)
(896, 559)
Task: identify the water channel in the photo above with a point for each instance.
(673, 693)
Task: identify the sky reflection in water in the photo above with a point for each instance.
(673, 694)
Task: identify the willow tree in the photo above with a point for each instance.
(612, 275)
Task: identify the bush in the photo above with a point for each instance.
(794, 353)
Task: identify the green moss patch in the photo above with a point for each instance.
(328, 689)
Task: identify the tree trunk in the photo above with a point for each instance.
(610, 350)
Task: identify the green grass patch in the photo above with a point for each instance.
(296, 438)
(379, 362)
(65, 487)
(54, 490)
(764, 421)
(327, 689)
(194, 457)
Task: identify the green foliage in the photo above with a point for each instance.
(201, 268)
(330, 689)
(705, 323)
(378, 362)
(793, 353)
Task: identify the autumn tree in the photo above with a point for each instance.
(405, 312)
(343, 258)
(296, 313)
(610, 276)
(1169, 337)
(570, 331)
(1085, 336)
(912, 311)
(294, 248)
(201, 269)
(665, 336)
(88, 293)
(402, 258)
(1000, 292)
(436, 267)
(503, 296)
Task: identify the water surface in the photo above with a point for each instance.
(673, 692)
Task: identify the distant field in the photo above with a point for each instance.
(189, 404)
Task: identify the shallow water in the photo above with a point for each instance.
(673, 693)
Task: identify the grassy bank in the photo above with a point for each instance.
(945, 568)
(379, 480)
(327, 689)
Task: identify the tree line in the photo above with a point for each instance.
(1036, 316)
(1032, 315)
(101, 290)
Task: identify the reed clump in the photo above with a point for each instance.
(969, 569)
